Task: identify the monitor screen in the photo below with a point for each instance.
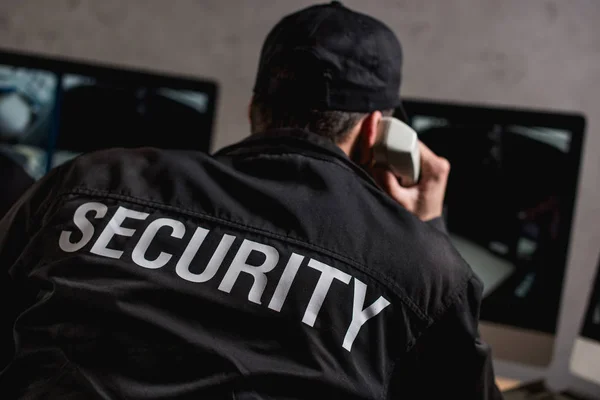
(585, 358)
(27, 100)
(100, 113)
(53, 110)
(509, 201)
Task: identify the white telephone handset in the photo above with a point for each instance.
(397, 146)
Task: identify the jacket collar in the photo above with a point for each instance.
(294, 141)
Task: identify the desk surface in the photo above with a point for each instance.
(505, 384)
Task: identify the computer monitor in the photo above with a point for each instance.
(509, 208)
(585, 357)
(52, 110)
(27, 103)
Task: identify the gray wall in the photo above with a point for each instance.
(536, 53)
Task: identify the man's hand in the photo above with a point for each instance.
(425, 199)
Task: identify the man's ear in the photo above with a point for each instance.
(368, 136)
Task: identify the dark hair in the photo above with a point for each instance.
(334, 125)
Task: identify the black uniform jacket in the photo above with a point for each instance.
(275, 269)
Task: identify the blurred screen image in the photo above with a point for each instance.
(504, 209)
(99, 114)
(27, 100)
(54, 110)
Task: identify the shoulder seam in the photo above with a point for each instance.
(451, 300)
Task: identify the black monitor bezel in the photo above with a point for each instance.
(123, 75)
(571, 121)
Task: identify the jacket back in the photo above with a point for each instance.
(274, 269)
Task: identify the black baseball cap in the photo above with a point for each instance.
(328, 57)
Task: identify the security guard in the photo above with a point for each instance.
(278, 268)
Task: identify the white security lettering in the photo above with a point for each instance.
(183, 265)
(328, 274)
(285, 282)
(240, 264)
(139, 252)
(114, 228)
(84, 225)
(360, 316)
